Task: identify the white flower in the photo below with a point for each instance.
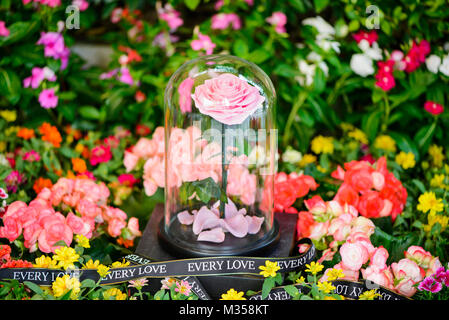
(320, 24)
(433, 62)
(362, 64)
(444, 67)
(372, 51)
(291, 156)
(308, 70)
(257, 156)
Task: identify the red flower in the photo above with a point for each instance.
(127, 179)
(371, 205)
(371, 36)
(288, 188)
(142, 130)
(385, 81)
(5, 251)
(140, 96)
(303, 224)
(416, 56)
(17, 264)
(100, 154)
(433, 107)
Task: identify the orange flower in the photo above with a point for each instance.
(73, 132)
(51, 134)
(42, 183)
(79, 165)
(124, 242)
(25, 133)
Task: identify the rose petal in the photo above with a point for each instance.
(254, 223)
(185, 217)
(237, 225)
(204, 219)
(214, 235)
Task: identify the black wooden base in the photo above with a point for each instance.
(150, 246)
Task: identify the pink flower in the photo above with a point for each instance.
(127, 179)
(227, 98)
(278, 20)
(422, 257)
(379, 258)
(241, 182)
(442, 276)
(406, 268)
(133, 227)
(381, 277)
(37, 76)
(203, 43)
(3, 194)
(48, 98)
(54, 47)
(125, 76)
(13, 180)
(4, 32)
(50, 3)
(11, 229)
(100, 154)
(130, 161)
(109, 74)
(88, 208)
(433, 108)
(171, 16)
(222, 21)
(431, 285)
(81, 4)
(54, 229)
(416, 56)
(115, 227)
(80, 225)
(353, 255)
(31, 156)
(185, 92)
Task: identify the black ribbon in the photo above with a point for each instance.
(189, 269)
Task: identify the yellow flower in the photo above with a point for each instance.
(322, 144)
(314, 267)
(358, 135)
(120, 264)
(64, 284)
(82, 241)
(66, 257)
(2, 146)
(306, 159)
(103, 270)
(11, 130)
(438, 181)
(436, 154)
(334, 274)
(346, 126)
(45, 262)
(325, 286)
(91, 264)
(269, 270)
(233, 295)
(114, 293)
(300, 280)
(429, 202)
(405, 160)
(369, 295)
(433, 218)
(321, 169)
(9, 115)
(385, 142)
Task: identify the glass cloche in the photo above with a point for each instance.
(220, 159)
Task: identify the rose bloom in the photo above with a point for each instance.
(353, 255)
(227, 98)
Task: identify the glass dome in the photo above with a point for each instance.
(220, 147)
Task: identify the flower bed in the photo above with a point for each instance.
(361, 112)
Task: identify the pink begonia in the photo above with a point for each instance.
(4, 32)
(48, 98)
(37, 76)
(222, 21)
(203, 43)
(171, 16)
(278, 20)
(100, 154)
(42, 226)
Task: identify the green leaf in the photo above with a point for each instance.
(10, 85)
(192, 4)
(268, 284)
(240, 48)
(259, 56)
(370, 124)
(405, 144)
(89, 112)
(291, 290)
(320, 4)
(424, 136)
(34, 287)
(88, 283)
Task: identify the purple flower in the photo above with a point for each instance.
(13, 180)
(430, 284)
(48, 98)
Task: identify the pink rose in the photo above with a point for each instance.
(79, 225)
(55, 229)
(406, 287)
(11, 229)
(88, 209)
(379, 258)
(353, 255)
(227, 98)
(381, 277)
(185, 91)
(419, 255)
